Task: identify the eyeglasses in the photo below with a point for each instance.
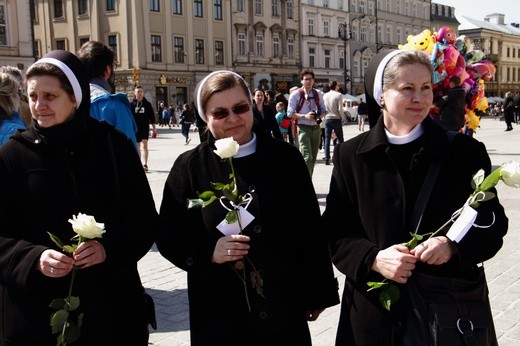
(238, 109)
(308, 78)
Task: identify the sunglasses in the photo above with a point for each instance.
(238, 109)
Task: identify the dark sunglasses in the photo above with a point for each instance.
(238, 109)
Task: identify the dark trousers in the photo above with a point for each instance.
(332, 124)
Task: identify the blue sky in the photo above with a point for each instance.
(478, 9)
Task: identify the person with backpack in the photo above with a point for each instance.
(186, 119)
(307, 107)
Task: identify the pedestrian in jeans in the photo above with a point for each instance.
(334, 104)
(306, 105)
(186, 120)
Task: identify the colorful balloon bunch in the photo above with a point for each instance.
(455, 56)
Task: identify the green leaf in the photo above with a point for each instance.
(219, 186)
(232, 216)
(230, 195)
(58, 303)
(211, 200)
(491, 180)
(375, 285)
(388, 296)
(206, 195)
(56, 240)
(70, 248)
(73, 303)
(416, 239)
(72, 333)
(58, 319)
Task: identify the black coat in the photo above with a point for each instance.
(267, 121)
(286, 247)
(369, 207)
(41, 186)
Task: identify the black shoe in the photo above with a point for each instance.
(508, 129)
(327, 163)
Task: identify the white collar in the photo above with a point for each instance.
(247, 149)
(411, 136)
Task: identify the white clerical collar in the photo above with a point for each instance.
(247, 149)
(409, 137)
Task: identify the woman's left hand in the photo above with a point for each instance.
(89, 253)
(436, 250)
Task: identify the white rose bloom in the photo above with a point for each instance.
(226, 147)
(86, 226)
(511, 173)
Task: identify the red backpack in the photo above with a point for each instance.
(302, 99)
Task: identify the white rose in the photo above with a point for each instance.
(510, 173)
(226, 147)
(86, 226)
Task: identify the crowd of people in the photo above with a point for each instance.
(258, 253)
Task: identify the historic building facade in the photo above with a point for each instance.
(16, 47)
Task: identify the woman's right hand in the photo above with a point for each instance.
(395, 263)
(230, 248)
(54, 264)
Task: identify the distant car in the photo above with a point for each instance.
(350, 110)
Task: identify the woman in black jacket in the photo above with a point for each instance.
(374, 187)
(259, 286)
(64, 164)
(265, 115)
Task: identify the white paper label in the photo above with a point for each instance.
(462, 225)
(233, 228)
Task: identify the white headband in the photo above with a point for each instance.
(70, 76)
(378, 79)
(203, 81)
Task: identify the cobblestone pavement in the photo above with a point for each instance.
(167, 283)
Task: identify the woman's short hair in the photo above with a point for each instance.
(9, 86)
(404, 58)
(46, 69)
(218, 82)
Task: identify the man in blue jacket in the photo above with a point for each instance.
(99, 61)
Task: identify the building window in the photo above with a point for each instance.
(312, 51)
(111, 5)
(177, 6)
(60, 44)
(240, 6)
(342, 59)
(197, 8)
(259, 45)
(36, 47)
(83, 40)
(275, 8)
(154, 6)
(58, 9)
(33, 11)
(276, 46)
(325, 3)
(219, 53)
(327, 58)
(218, 9)
(82, 7)
(241, 44)
(290, 9)
(326, 31)
(178, 47)
(199, 51)
(311, 26)
(156, 48)
(3, 26)
(290, 47)
(258, 7)
(364, 37)
(112, 43)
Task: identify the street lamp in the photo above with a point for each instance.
(345, 34)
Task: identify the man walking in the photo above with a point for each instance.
(144, 116)
(99, 61)
(334, 104)
(362, 111)
(306, 105)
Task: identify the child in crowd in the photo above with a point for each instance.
(283, 121)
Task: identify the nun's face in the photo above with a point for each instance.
(50, 104)
(408, 100)
(229, 114)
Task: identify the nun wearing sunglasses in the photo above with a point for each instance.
(257, 281)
